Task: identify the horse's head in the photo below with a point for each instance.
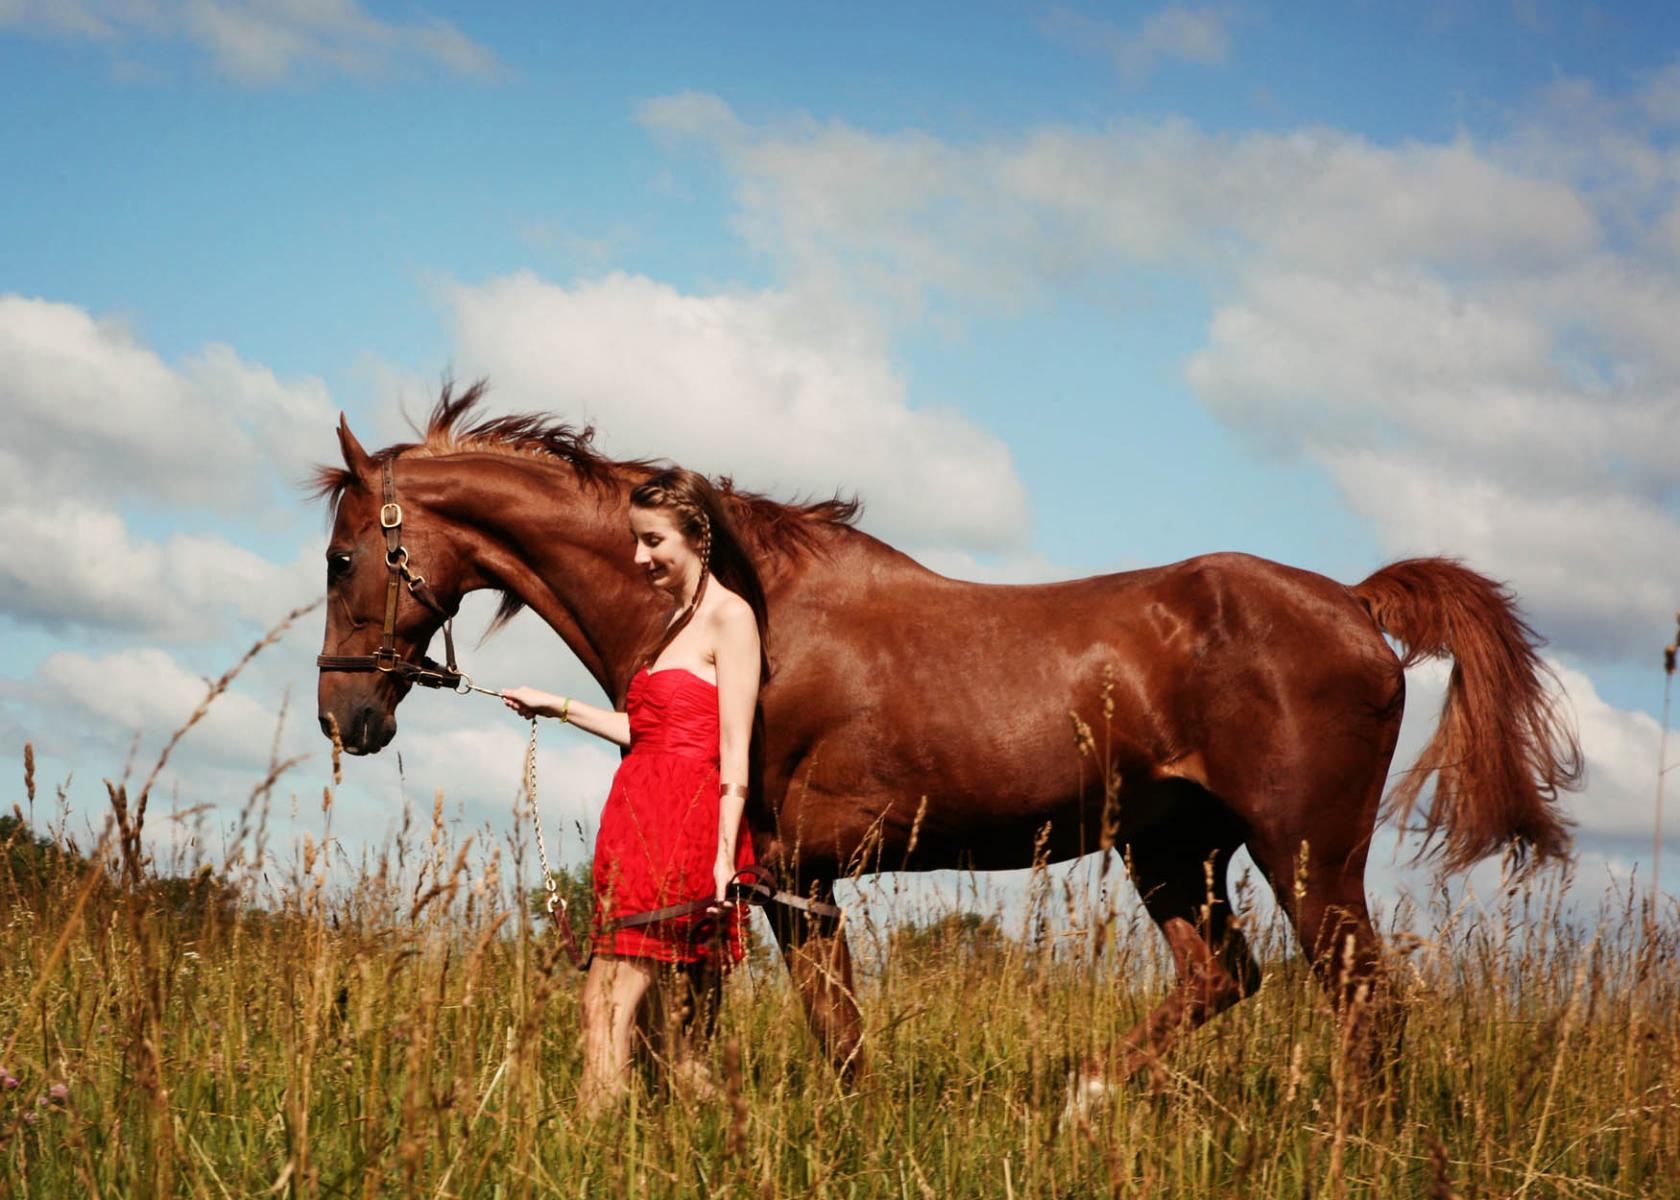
(365, 670)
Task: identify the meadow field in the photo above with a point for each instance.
(413, 1034)
(288, 1024)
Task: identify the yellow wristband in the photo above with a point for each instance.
(565, 708)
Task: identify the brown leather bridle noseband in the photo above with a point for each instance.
(425, 671)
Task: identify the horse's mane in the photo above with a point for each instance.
(773, 527)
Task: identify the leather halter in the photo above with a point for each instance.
(424, 672)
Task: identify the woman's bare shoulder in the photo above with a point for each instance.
(729, 617)
(728, 610)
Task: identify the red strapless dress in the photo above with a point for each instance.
(658, 838)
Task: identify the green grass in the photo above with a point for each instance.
(411, 1034)
(254, 1027)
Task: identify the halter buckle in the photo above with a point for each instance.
(380, 657)
(390, 516)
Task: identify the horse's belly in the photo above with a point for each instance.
(938, 830)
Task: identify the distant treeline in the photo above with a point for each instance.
(36, 871)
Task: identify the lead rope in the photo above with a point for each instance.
(555, 899)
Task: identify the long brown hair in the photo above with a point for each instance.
(698, 511)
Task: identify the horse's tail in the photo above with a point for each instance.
(1505, 745)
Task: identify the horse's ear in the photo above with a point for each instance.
(355, 458)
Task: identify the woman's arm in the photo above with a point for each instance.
(602, 722)
(737, 658)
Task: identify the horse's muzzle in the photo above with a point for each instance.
(367, 729)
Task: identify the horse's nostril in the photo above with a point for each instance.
(359, 729)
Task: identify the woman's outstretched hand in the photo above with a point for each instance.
(527, 701)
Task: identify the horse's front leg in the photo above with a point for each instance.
(676, 1022)
(820, 964)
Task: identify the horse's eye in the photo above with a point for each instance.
(338, 565)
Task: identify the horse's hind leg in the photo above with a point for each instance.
(1324, 895)
(1181, 877)
(820, 964)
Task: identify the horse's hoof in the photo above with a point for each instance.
(1089, 1093)
(694, 1080)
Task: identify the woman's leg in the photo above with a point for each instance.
(612, 992)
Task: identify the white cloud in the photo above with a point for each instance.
(71, 564)
(1668, 234)
(97, 421)
(292, 424)
(145, 691)
(902, 215)
(481, 767)
(1472, 337)
(1659, 98)
(1178, 32)
(88, 710)
(1453, 421)
(693, 114)
(1621, 754)
(262, 42)
(64, 18)
(1027, 567)
(1333, 360)
(1619, 746)
(1594, 570)
(786, 393)
(93, 412)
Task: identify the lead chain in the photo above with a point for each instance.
(554, 896)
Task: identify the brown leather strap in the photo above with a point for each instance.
(752, 884)
(579, 958)
(425, 672)
(390, 519)
(670, 912)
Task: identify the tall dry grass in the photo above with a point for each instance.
(405, 1030)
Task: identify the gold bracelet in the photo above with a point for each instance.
(565, 708)
(732, 789)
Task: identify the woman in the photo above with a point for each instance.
(671, 828)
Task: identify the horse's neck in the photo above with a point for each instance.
(563, 548)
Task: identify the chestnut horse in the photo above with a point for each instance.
(1250, 704)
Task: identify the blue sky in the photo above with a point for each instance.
(1327, 283)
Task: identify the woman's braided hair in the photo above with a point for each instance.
(698, 511)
